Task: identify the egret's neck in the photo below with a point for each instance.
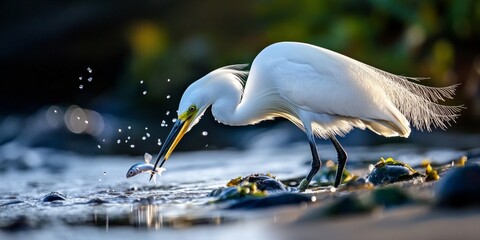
(229, 108)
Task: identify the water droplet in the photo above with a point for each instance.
(148, 134)
(80, 78)
(141, 81)
(167, 113)
(78, 118)
(119, 141)
(144, 92)
(104, 173)
(168, 80)
(143, 138)
(174, 119)
(129, 127)
(163, 121)
(99, 146)
(119, 130)
(89, 70)
(159, 142)
(132, 146)
(204, 133)
(99, 179)
(55, 111)
(166, 125)
(206, 145)
(126, 141)
(81, 86)
(168, 96)
(90, 79)
(128, 137)
(86, 121)
(103, 140)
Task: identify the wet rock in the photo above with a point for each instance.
(459, 188)
(357, 183)
(264, 182)
(275, 200)
(390, 171)
(97, 201)
(11, 203)
(251, 186)
(247, 190)
(54, 196)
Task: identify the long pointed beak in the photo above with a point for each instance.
(178, 130)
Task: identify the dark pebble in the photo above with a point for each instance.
(97, 201)
(11, 203)
(274, 200)
(271, 185)
(390, 174)
(54, 196)
(459, 188)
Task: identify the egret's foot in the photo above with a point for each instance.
(303, 185)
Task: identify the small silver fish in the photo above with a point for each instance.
(145, 167)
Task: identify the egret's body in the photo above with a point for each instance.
(322, 92)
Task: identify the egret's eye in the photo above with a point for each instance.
(192, 108)
(130, 172)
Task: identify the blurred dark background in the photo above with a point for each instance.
(162, 46)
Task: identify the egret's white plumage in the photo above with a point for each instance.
(322, 92)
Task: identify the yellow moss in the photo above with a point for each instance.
(461, 162)
(234, 182)
(432, 174)
(425, 163)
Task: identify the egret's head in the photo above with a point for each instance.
(193, 104)
(196, 99)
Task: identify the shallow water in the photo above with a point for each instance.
(102, 203)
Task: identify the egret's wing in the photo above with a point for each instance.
(147, 157)
(336, 99)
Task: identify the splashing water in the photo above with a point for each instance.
(204, 133)
(89, 70)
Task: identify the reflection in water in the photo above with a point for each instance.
(153, 217)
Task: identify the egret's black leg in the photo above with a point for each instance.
(316, 164)
(342, 160)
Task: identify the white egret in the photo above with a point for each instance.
(322, 92)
